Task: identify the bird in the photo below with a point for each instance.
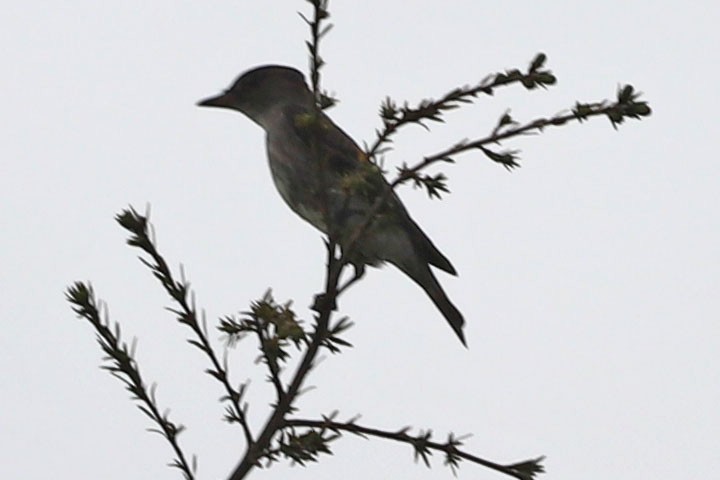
(330, 182)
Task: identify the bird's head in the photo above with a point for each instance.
(259, 91)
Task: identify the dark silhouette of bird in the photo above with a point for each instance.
(326, 179)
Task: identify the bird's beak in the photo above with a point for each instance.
(222, 101)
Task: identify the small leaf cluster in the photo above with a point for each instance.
(332, 339)
(267, 316)
(434, 184)
(303, 445)
(423, 447)
(627, 105)
(276, 327)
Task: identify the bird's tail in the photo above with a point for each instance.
(423, 276)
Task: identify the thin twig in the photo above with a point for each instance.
(179, 291)
(124, 367)
(449, 448)
(394, 118)
(270, 362)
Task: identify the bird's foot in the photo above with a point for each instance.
(359, 273)
(324, 302)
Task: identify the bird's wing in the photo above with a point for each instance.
(344, 156)
(340, 151)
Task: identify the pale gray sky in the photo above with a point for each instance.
(588, 277)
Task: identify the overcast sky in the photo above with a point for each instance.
(588, 277)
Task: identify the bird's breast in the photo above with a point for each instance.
(297, 187)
